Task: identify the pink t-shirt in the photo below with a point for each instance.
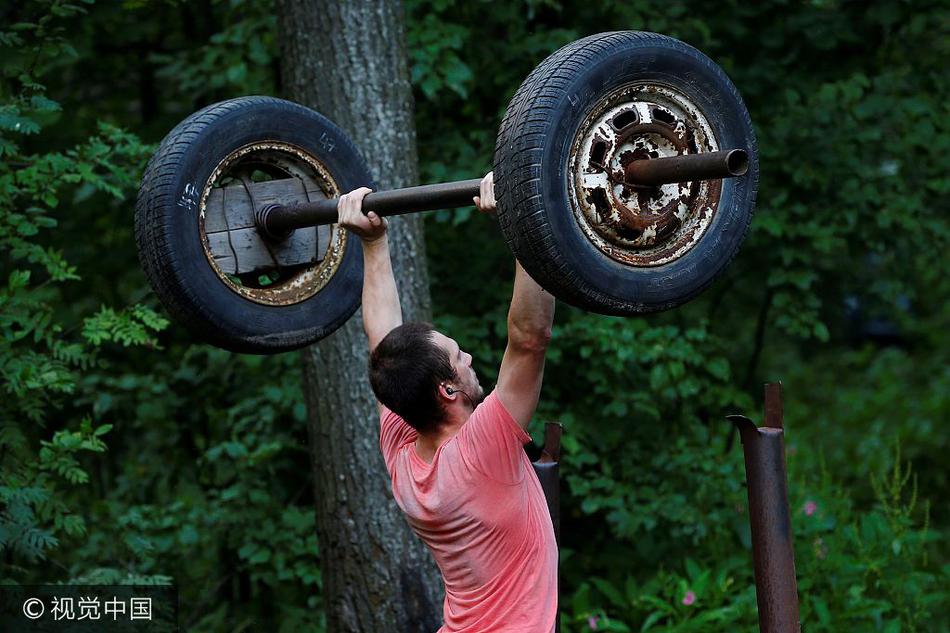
(480, 509)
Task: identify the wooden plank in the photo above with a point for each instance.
(247, 251)
(234, 201)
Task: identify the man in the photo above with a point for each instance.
(455, 457)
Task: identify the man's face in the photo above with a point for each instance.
(462, 364)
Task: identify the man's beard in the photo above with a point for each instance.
(479, 394)
(474, 396)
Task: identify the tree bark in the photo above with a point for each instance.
(348, 61)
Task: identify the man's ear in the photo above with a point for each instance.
(447, 391)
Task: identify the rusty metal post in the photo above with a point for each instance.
(548, 470)
(776, 589)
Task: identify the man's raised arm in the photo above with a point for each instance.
(529, 331)
(381, 310)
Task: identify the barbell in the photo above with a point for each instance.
(625, 176)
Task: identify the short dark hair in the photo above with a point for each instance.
(405, 370)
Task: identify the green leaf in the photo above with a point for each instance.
(611, 592)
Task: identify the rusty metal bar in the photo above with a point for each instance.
(776, 588)
(686, 168)
(278, 221)
(547, 469)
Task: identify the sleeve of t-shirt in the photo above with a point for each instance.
(394, 433)
(493, 443)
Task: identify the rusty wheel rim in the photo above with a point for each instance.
(641, 226)
(292, 284)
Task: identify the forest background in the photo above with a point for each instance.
(132, 453)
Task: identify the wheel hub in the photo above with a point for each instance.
(314, 259)
(641, 225)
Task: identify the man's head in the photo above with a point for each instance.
(417, 372)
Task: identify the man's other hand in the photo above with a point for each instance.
(370, 227)
(486, 200)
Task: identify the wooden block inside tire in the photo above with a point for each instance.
(207, 264)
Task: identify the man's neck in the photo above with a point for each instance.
(455, 417)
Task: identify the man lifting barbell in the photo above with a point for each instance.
(455, 457)
(626, 170)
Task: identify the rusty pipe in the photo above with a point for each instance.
(277, 221)
(776, 588)
(660, 171)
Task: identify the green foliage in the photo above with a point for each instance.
(434, 50)
(241, 512)
(839, 291)
(238, 59)
(847, 562)
(850, 566)
(41, 357)
(32, 492)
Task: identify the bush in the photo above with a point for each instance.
(862, 571)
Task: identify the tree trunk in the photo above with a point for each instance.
(348, 61)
